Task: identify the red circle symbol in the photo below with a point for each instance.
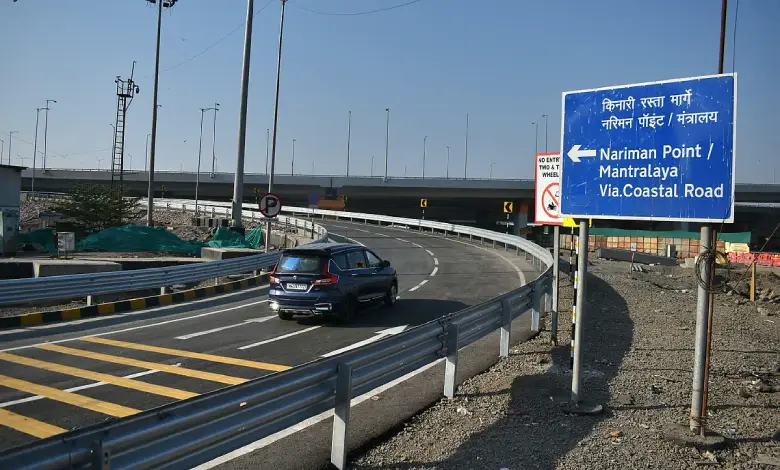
(550, 200)
(270, 205)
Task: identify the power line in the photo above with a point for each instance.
(237, 28)
(378, 10)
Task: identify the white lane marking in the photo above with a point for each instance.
(350, 239)
(133, 312)
(402, 240)
(75, 389)
(435, 270)
(266, 441)
(381, 234)
(361, 230)
(337, 226)
(418, 286)
(226, 327)
(417, 245)
(377, 336)
(436, 261)
(140, 327)
(429, 252)
(271, 340)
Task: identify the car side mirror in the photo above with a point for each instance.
(384, 264)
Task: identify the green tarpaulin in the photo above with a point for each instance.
(129, 238)
(255, 237)
(226, 238)
(43, 237)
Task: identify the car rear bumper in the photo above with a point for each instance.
(321, 305)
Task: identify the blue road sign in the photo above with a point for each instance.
(650, 151)
(314, 198)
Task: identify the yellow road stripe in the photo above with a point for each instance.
(178, 352)
(225, 379)
(67, 397)
(98, 377)
(27, 425)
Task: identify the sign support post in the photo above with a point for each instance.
(582, 270)
(555, 275)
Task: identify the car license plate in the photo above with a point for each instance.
(292, 286)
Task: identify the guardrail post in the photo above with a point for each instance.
(536, 312)
(338, 448)
(101, 457)
(90, 300)
(163, 290)
(506, 328)
(451, 362)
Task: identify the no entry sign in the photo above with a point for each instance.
(548, 189)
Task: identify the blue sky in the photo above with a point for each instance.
(504, 62)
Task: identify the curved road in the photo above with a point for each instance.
(59, 377)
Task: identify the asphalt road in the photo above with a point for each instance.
(64, 376)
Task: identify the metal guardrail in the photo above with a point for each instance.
(190, 432)
(19, 291)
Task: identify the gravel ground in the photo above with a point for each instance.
(638, 358)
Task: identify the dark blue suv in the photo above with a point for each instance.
(330, 279)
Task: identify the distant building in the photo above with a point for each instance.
(10, 193)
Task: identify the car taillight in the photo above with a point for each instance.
(327, 276)
(272, 278)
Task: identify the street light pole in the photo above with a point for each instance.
(267, 143)
(146, 152)
(448, 162)
(46, 131)
(214, 141)
(200, 148)
(387, 140)
(276, 119)
(292, 166)
(536, 137)
(238, 181)
(466, 163)
(35, 149)
(349, 138)
(491, 170)
(425, 139)
(150, 189)
(545, 132)
(372, 166)
(2, 148)
(10, 141)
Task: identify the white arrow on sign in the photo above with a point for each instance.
(377, 336)
(575, 153)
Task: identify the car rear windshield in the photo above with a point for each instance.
(300, 264)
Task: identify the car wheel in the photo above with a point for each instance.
(348, 308)
(285, 315)
(391, 295)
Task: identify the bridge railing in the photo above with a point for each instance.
(21, 291)
(187, 433)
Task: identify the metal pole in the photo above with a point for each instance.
(702, 315)
(146, 153)
(2, 148)
(267, 143)
(582, 271)
(424, 152)
(387, 139)
(46, 131)
(150, 192)
(708, 351)
(35, 150)
(545, 132)
(214, 142)
(555, 275)
(536, 137)
(292, 167)
(466, 163)
(238, 182)
(349, 138)
(722, 51)
(448, 162)
(276, 128)
(200, 147)
(10, 141)
(372, 166)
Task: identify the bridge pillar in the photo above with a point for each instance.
(520, 218)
